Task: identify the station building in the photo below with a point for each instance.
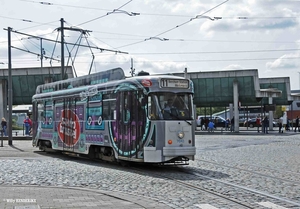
(241, 88)
(233, 89)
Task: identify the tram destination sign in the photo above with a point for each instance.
(174, 83)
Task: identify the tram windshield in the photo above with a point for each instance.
(170, 106)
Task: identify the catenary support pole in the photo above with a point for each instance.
(9, 90)
(62, 48)
(235, 105)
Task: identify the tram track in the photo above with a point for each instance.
(212, 185)
(197, 188)
(268, 168)
(275, 171)
(246, 189)
(240, 195)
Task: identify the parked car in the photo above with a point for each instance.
(219, 121)
(198, 120)
(252, 123)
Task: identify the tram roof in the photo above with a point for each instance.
(86, 90)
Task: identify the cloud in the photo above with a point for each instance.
(109, 61)
(233, 67)
(155, 67)
(288, 61)
(268, 25)
(252, 16)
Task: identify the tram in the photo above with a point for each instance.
(107, 116)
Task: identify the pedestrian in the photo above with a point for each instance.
(265, 124)
(211, 126)
(206, 123)
(227, 122)
(232, 124)
(297, 124)
(202, 124)
(258, 123)
(28, 124)
(288, 125)
(215, 123)
(280, 124)
(4, 126)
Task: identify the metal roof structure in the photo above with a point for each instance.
(215, 88)
(212, 89)
(25, 81)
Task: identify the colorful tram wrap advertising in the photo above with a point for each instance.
(147, 119)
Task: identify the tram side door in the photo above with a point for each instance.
(68, 123)
(123, 119)
(128, 123)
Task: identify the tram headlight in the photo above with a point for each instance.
(180, 134)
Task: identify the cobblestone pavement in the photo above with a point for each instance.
(29, 178)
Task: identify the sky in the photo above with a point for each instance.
(157, 36)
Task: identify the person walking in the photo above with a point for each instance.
(27, 123)
(297, 124)
(232, 124)
(266, 124)
(211, 126)
(258, 123)
(227, 122)
(280, 124)
(202, 124)
(4, 126)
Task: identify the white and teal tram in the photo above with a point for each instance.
(117, 119)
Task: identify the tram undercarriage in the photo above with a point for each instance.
(103, 153)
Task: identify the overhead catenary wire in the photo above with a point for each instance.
(64, 5)
(95, 47)
(215, 52)
(177, 26)
(82, 7)
(104, 15)
(213, 41)
(37, 46)
(193, 61)
(153, 14)
(32, 53)
(70, 51)
(21, 42)
(28, 21)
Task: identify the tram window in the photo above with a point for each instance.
(108, 105)
(126, 107)
(105, 109)
(152, 109)
(170, 106)
(41, 112)
(108, 109)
